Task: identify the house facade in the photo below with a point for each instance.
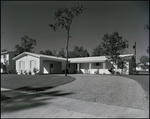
(26, 62)
(7, 64)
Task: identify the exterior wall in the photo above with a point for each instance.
(12, 65)
(46, 67)
(72, 68)
(63, 65)
(57, 67)
(27, 64)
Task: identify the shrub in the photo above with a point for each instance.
(117, 72)
(29, 72)
(25, 72)
(96, 72)
(111, 71)
(35, 70)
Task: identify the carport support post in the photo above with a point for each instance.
(104, 67)
(89, 67)
(78, 67)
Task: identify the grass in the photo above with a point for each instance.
(33, 82)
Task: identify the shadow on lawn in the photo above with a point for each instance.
(14, 100)
(28, 88)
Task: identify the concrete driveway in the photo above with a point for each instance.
(111, 90)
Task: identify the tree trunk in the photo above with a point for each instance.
(67, 53)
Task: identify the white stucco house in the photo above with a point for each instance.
(51, 64)
(7, 64)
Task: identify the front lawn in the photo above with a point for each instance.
(33, 82)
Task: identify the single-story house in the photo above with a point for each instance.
(26, 62)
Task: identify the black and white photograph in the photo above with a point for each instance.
(75, 59)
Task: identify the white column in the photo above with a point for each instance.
(89, 68)
(104, 67)
(78, 67)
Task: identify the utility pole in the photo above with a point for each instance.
(134, 47)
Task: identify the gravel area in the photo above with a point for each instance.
(143, 80)
(112, 90)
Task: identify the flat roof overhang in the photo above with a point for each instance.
(86, 61)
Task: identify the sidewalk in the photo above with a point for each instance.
(43, 106)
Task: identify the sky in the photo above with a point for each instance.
(31, 18)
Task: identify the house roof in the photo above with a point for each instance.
(5, 52)
(87, 59)
(94, 59)
(71, 60)
(39, 55)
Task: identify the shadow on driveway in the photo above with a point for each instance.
(14, 100)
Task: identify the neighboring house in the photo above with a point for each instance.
(139, 67)
(26, 62)
(7, 64)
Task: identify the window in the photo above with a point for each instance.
(97, 64)
(51, 65)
